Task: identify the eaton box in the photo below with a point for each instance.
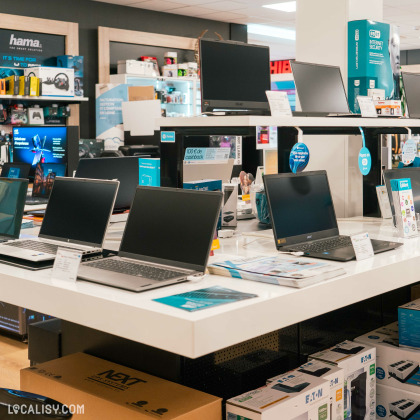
(405, 213)
(409, 324)
(293, 396)
(56, 81)
(74, 62)
(149, 172)
(393, 403)
(358, 363)
(373, 60)
(396, 366)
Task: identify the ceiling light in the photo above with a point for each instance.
(271, 31)
(288, 6)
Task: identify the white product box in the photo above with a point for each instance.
(358, 362)
(56, 81)
(294, 396)
(334, 376)
(376, 94)
(170, 70)
(396, 366)
(230, 204)
(142, 68)
(396, 403)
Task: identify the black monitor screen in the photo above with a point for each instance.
(172, 225)
(300, 204)
(234, 75)
(413, 174)
(45, 174)
(412, 93)
(320, 88)
(79, 210)
(15, 170)
(12, 202)
(35, 145)
(125, 169)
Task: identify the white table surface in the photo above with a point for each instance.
(136, 317)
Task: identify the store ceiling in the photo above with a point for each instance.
(404, 13)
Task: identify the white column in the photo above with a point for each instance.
(321, 37)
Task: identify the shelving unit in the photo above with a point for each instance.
(45, 98)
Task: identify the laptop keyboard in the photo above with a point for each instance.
(36, 200)
(133, 269)
(324, 245)
(36, 246)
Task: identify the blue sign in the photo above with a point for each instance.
(167, 136)
(299, 157)
(365, 161)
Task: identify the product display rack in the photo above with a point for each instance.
(45, 98)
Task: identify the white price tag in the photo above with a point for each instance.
(66, 265)
(367, 107)
(279, 103)
(362, 246)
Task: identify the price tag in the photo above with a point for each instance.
(246, 197)
(367, 107)
(66, 265)
(362, 246)
(279, 103)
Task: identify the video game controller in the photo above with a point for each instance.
(36, 114)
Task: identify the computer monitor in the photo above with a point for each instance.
(412, 93)
(413, 174)
(15, 170)
(125, 169)
(320, 88)
(35, 145)
(234, 77)
(45, 174)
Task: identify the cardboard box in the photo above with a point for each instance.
(358, 362)
(294, 395)
(24, 85)
(141, 93)
(33, 86)
(12, 85)
(409, 324)
(149, 172)
(396, 403)
(391, 108)
(142, 68)
(395, 366)
(56, 81)
(230, 204)
(109, 391)
(204, 185)
(2, 86)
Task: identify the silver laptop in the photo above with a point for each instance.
(167, 238)
(76, 217)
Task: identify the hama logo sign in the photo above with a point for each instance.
(25, 42)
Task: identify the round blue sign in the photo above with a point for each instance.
(365, 161)
(381, 411)
(299, 157)
(380, 373)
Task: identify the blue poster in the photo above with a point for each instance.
(299, 157)
(204, 298)
(365, 161)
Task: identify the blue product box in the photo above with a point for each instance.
(373, 60)
(409, 324)
(149, 172)
(204, 185)
(73, 62)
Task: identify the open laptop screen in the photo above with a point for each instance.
(15, 170)
(12, 202)
(79, 210)
(171, 226)
(45, 174)
(301, 206)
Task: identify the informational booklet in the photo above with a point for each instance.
(279, 270)
(204, 298)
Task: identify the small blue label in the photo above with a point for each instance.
(381, 411)
(365, 161)
(380, 373)
(167, 136)
(299, 157)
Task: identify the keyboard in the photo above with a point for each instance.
(36, 246)
(134, 269)
(324, 245)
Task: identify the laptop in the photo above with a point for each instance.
(125, 169)
(167, 238)
(12, 201)
(45, 174)
(15, 170)
(303, 217)
(76, 217)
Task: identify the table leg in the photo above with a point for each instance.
(286, 139)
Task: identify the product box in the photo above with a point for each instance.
(12, 85)
(2, 86)
(56, 81)
(409, 325)
(149, 172)
(373, 60)
(230, 202)
(204, 185)
(293, 396)
(24, 85)
(396, 366)
(74, 62)
(391, 108)
(396, 404)
(170, 70)
(377, 94)
(405, 213)
(108, 391)
(358, 363)
(142, 68)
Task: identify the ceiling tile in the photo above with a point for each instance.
(223, 5)
(192, 11)
(159, 5)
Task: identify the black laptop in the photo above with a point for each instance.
(15, 170)
(303, 217)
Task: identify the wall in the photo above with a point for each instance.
(91, 14)
(409, 57)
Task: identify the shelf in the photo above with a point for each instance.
(46, 98)
(157, 78)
